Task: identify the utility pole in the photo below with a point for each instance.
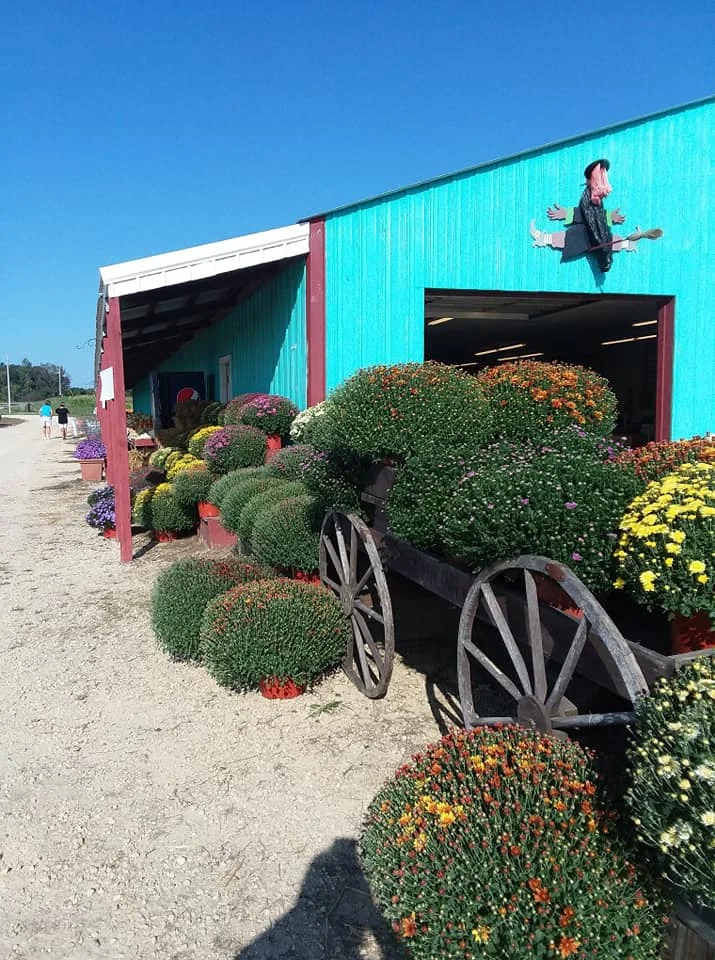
(7, 369)
(59, 379)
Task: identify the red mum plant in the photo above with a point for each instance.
(655, 459)
(496, 843)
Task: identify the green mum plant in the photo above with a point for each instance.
(666, 550)
(335, 479)
(221, 486)
(181, 593)
(232, 410)
(238, 496)
(192, 486)
(271, 414)
(530, 399)
(389, 412)
(233, 447)
(159, 457)
(211, 413)
(280, 628)
(672, 793)
(198, 438)
(289, 532)
(281, 490)
(167, 514)
(517, 499)
(287, 464)
(496, 843)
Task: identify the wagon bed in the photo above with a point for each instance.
(538, 656)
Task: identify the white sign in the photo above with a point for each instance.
(106, 384)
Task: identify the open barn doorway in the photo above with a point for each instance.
(627, 339)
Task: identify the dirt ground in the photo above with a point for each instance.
(146, 812)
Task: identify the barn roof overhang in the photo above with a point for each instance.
(167, 299)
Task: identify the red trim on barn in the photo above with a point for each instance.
(315, 323)
(664, 371)
(114, 419)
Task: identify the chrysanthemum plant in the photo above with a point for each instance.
(496, 843)
(666, 549)
(672, 793)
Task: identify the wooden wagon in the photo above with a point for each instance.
(543, 659)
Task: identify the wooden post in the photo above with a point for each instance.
(315, 324)
(117, 451)
(664, 371)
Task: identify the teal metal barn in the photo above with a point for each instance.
(468, 269)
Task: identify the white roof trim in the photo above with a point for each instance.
(208, 260)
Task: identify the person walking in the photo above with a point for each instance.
(63, 419)
(46, 420)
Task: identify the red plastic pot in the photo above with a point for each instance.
(273, 445)
(274, 689)
(164, 536)
(688, 634)
(110, 533)
(92, 470)
(307, 577)
(207, 509)
(548, 591)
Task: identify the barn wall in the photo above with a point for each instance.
(265, 337)
(471, 232)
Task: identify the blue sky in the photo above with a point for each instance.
(129, 128)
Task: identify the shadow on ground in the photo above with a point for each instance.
(334, 917)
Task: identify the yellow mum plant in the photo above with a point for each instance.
(185, 462)
(666, 549)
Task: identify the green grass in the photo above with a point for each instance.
(80, 406)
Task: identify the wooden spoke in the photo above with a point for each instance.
(325, 542)
(502, 626)
(569, 665)
(596, 651)
(368, 611)
(348, 546)
(491, 668)
(535, 637)
(360, 585)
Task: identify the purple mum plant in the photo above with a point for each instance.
(90, 449)
(101, 513)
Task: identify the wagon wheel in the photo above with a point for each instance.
(350, 566)
(542, 689)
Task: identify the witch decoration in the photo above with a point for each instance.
(588, 226)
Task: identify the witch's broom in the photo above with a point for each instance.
(655, 234)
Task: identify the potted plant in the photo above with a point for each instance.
(672, 773)
(273, 633)
(271, 414)
(198, 438)
(289, 532)
(233, 447)
(169, 519)
(182, 591)
(191, 489)
(91, 454)
(101, 514)
(666, 552)
(498, 843)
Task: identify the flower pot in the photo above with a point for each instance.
(164, 536)
(274, 689)
(691, 633)
(207, 509)
(548, 591)
(92, 470)
(307, 577)
(110, 533)
(212, 531)
(273, 445)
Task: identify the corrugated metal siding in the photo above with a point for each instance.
(472, 232)
(265, 337)
(141, 396)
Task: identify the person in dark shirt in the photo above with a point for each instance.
(63, 419)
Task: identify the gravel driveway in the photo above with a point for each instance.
(146, 812)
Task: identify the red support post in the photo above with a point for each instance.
(117, 450)
(315, 325)
(664, 371)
